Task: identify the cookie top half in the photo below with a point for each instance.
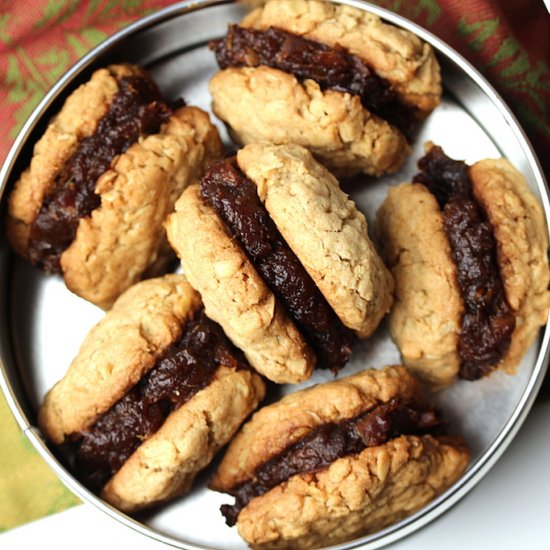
(325, 230)
(266, 104)
(395, 54)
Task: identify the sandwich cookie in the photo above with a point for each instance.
(338, 461)
(155, 390)
(282, 260)
(334, 79)
(102, 180)
(467, 246)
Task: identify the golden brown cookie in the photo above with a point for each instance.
(264, 96)
(305, 205)
(122, 239)
(522, 236)
(427, 317)
(165, 465)
(78, 119)
(126, 348)
(356, 493)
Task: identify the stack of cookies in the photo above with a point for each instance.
(280, 277)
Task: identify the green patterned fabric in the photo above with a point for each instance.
(29, 489)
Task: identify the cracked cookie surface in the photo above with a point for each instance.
(325, 231)
(522, 244)
(356, 495)
(165, 465)
(78, 119)
(125, 236)
(397, 55)
(114, 357)
(426, 317)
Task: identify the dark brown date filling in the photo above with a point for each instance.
(331, 441)
(235, 199)
(184, 368)
(488, 320)
(137, 109)
(331, 68)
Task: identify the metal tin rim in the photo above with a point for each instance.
(491, 455)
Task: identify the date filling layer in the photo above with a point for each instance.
(235, 199)
(331, 441)
(332, 68)
(488, 321)
(183, 369)
(137, 110)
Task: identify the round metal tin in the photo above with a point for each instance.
(42, 323)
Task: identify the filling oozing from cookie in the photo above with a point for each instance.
(137, 110)
(235, 199)
(331, 441)
(183, 369)
(331, 68)
(488, 321)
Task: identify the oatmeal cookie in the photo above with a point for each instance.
(117, 352)
(165, 465)
(426, 316)
(430, 309)
(233, 293)
(522, 239)
(267, 104)
(335, 79)
(249, 237)
(308, 207)
(117, 236)
(395, 54)
(355, 491)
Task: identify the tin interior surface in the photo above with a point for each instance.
(42, 323)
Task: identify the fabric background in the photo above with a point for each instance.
(508, 41)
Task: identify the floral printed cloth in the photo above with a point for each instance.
(508, 40)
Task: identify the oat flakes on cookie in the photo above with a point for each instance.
(467, 246)
(282, 260)
(155, 390)
(337, 461)
(335, 79)
(102, 179)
